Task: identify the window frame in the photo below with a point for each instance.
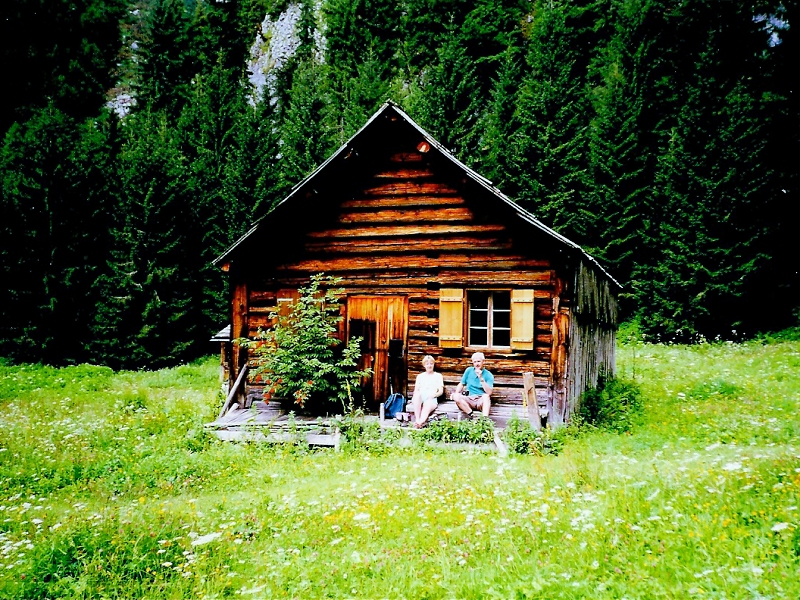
(490, 327)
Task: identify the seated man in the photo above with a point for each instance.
(478, 383)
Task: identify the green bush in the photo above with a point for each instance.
(522, 438)
(359, 434)
(792, 334)
(480, 431)
(613, 405)
(301, 358)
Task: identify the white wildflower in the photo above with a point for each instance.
(205, 539)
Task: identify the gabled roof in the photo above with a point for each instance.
(524, 215)
(223, 335)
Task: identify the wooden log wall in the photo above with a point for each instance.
(409, 231)
(592, 334)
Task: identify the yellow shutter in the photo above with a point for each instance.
(451, 318)
(522, 319)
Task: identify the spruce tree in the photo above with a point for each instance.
(165, 59)
(56, 179)
(554, 117)
(148, 315)
(446, 103)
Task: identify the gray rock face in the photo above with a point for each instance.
(275, 44)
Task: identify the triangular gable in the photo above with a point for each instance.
(524, 215)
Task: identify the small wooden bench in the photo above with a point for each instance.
(499, 412)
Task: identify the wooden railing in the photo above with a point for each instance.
(234, 391)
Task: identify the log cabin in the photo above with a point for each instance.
(433, 260)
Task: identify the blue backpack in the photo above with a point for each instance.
(396, 403)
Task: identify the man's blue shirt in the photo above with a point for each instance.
(472, 382)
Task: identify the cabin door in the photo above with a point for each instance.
(382, 323)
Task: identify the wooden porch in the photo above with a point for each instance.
(271, 422)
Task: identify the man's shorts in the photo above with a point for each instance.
(475, 402)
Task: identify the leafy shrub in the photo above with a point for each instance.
(630, 332)
(521, 438)
(359, 434)
(480, 431)
(300, 357)
(613, 405)
(198, 439)
(791, 334)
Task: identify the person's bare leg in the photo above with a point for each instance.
(427, 408)
(461, 402)
(417, 409)
(486, 404)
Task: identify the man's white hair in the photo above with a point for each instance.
(478, 355)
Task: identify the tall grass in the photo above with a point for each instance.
(110, 488)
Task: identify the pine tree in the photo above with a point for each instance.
(554, 116)
(147, 314)
(712, 178)
(58, 54)
(500, 128)
(446, 104)
(306, 134)
(166, 61)
(619, 160)
(55, 184)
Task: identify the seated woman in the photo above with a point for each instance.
(427, 389)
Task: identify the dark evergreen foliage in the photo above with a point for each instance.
(660, 135)
(58, 53)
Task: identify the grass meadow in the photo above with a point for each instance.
(110, 488)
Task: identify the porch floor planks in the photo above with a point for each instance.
(273, 417)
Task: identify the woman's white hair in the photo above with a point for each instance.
(428, 357)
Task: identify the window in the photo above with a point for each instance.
(489, 319)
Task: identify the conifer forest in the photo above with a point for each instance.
(142, 138)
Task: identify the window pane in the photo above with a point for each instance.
(479, 300)
(477, 337)
(501, 319)
(501, 337)
(478, 318)
(501, 300)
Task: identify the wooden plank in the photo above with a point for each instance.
(406, 230)
(451, 317)
(522, 319)
(498, 366)
(262, 296)
(234, 391)
(501, 447)
(448, 245)
(404, 201)
(406, 157)
(510, 381)
(409, 188)
(411, 173)
(411, 215)
(417, 261)
(239, 327)
(529, 400)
